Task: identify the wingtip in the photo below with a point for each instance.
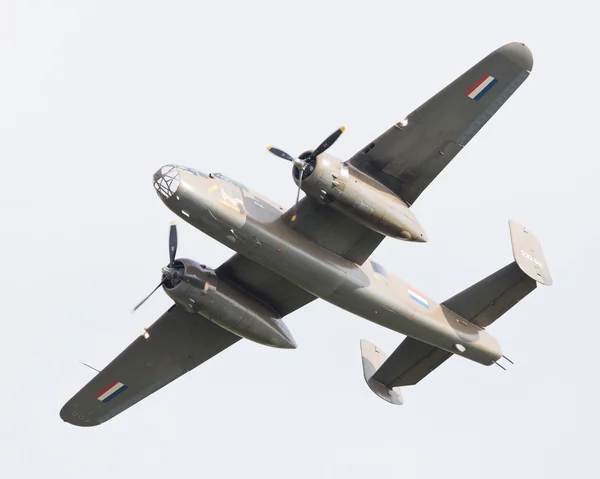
(518, 53)
(71, 417)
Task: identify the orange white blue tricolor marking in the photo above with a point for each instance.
(110, 391)
(481, 87)
(418, 298)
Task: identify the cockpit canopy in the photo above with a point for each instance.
(167, 179)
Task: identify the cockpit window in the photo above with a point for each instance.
(223, 177)
(194, 172)
(378, 269)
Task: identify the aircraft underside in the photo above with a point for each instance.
(321, 248)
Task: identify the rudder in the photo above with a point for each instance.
(528, 253)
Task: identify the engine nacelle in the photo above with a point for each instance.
(201, 291)
(360, 197)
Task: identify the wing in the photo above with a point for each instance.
(178, 342)
(409, 363)
(262, 283)
(412, 153)
(334, 231)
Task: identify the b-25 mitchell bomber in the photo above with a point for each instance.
(320, 248)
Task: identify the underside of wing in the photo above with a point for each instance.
(177, 342)
(333, 231)
(262, 283)
(412, 153)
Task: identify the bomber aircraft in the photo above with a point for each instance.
(320, 248)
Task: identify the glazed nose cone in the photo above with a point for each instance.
(166, 181)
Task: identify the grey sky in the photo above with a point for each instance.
(96, 96)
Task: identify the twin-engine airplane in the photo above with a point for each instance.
(320, 248)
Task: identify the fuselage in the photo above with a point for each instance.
(253, 226)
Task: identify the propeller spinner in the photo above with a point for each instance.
(301, 163)
(173, 272)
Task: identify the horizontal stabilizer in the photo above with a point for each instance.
(485, 301)
(408, 364)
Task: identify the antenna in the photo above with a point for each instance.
(499, 365)
(91, 367)
(507, 359)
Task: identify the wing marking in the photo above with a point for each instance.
(110, 391)
(481, 87)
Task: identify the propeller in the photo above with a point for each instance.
(169, 273)
(172, 273)
(302, 163)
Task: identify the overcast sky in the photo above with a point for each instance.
(95, 96)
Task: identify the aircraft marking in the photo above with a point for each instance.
(418, 298)
(481, 87)
(233, 203)
(110, 391)
(532, 259)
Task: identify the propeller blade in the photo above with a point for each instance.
(172, 244)
(146, 298)
(328, 142)
(280, 153)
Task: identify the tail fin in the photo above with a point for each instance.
(528, 254)
(485, 301)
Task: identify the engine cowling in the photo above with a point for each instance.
(199, 290)
(358, 196)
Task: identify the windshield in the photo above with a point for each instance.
(223, 177)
